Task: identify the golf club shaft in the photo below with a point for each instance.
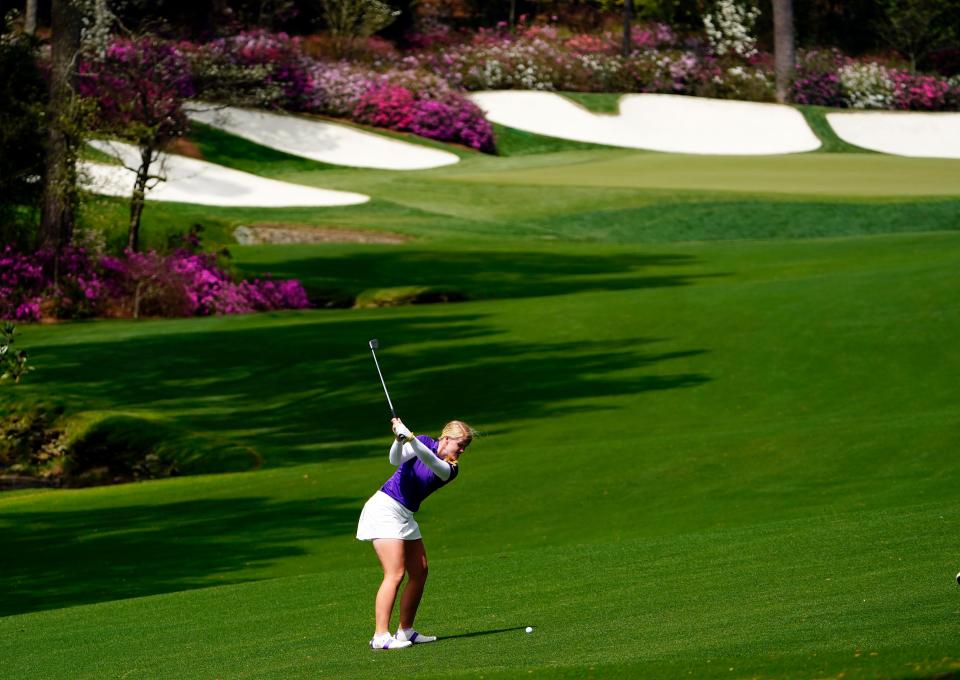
(383, 382)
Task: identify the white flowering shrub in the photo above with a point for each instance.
(671, 72)
(523, 64)
(748, 84)
(729, 28)
(866, 85)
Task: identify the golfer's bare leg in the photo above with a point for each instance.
(390, 551)
(415, 560)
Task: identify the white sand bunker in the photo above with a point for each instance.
(905, 133)
(658, 122)
(322, 141)
(192, 181)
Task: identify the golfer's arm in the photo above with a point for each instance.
(441, 468)
(398, 455)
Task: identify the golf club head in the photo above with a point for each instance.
(374, 344)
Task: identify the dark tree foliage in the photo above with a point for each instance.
(23, 95)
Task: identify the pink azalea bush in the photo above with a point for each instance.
(133, 284)
(817, 79)
(398, 100)
(920, 93)
(428, 108)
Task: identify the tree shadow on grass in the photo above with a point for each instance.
(308, 391)
(136, 550)
(478, 274)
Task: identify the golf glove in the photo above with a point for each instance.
(402, 431)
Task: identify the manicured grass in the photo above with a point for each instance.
(696, 457)
(551, 191)
(816, 117)
(514, 142)
(704, 454)
(596, 102)
(866, 175)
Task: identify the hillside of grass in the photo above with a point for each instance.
(719, 418)
(553, 190)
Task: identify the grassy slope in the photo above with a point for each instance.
(699, 456)
(776, 425)
(598, 194)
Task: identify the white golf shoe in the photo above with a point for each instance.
(387, 641)
(412, 636)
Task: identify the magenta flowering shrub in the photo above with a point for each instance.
(134, 284)
(139, 85)
(402, 99)
(21, 286)
(654, 35)
(817, 79)
(209, 290)
(448, 116)
(28, 290)
(454, 118)
(915, 92)
(386, 106)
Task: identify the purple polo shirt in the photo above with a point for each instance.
(413, 481)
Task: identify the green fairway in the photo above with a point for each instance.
(802, 174)
(714, 444)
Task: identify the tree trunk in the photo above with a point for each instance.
(139, 197)
(627, 46)
(60, 175)
(217, 14)
(784, 48)
(30, 18)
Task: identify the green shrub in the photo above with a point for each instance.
(94, 447)
(407, 295)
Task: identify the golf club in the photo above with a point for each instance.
(375, 345)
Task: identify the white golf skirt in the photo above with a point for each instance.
(383, 517)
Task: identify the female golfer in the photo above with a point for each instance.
(423, 466)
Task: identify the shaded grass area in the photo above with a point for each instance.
(238, 153)
(187, 544)
(479, 272)
(793, 616)
(513, 142)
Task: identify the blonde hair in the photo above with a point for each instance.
(457, 429)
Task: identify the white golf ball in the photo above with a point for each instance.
(958, 579)
(529, 629)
